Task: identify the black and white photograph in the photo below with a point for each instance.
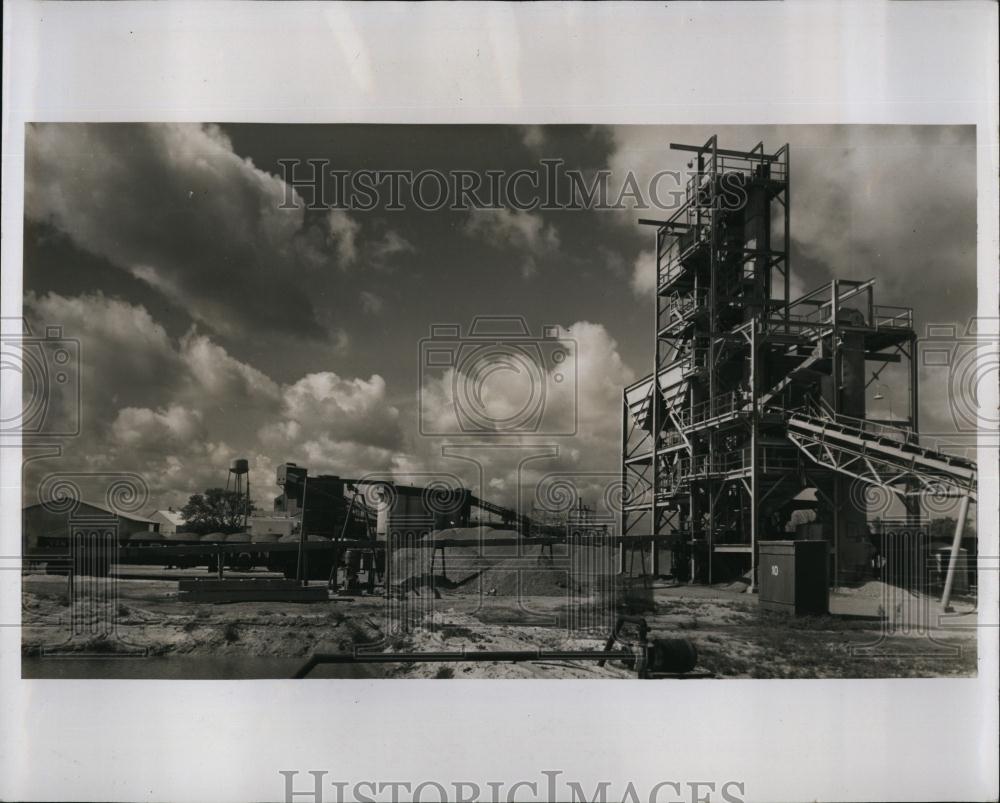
(489, 401)
(631, 368)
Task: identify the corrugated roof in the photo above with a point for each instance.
(57, 504)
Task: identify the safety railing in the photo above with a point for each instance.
(674, 475)
(671, 438)
(770, 459)
(678, 473)
(717, 407)
(774, 169)
(819, 408)
(888, 317)
(695, 359)
(673, 254)
(680, 307)
(698, 186)
(877, 429)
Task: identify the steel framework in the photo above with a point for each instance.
(754, 396)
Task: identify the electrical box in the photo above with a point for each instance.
(793, 577)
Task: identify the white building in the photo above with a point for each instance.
(170, 520)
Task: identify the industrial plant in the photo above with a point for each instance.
(747, 452)
(755, 397)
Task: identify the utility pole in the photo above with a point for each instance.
(300, 566)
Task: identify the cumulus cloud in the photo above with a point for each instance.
(151, 276)
(894, 202)
(897, 203)
(523, 232)
(644, 274)
(392, 244)
(603, 373)
(175, 209)
(219, 375)
(190, 218)
(353, 250)
(517, 228)
(336, 425)
(344, 233)
(142, 428)
(354, 409)
(576, 435)
(125, 356)
(210, 406)
(371, 303)
(533, 137)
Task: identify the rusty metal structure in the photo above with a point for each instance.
(756, 402)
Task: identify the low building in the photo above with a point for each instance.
(47, 526)
(170, 520)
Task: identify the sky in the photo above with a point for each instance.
(213, 323)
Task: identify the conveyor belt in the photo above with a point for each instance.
(506, 514)
(887, 456)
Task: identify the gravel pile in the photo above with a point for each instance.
(491, 565)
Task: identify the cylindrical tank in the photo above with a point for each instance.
(239, 466)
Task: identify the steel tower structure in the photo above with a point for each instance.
(708, 463)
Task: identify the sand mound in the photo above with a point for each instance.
(496, 562)
(876, 589)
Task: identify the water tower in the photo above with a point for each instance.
(239, 482)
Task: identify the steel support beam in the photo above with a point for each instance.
(956, 546)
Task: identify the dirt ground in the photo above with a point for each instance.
(872, 631)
